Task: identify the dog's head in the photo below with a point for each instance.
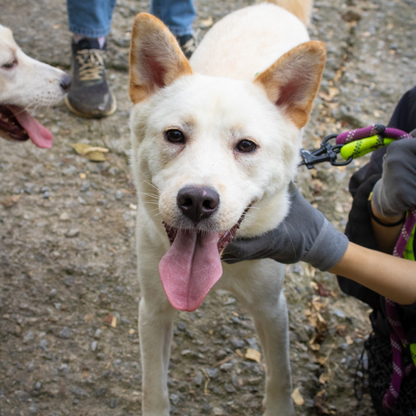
(219, 152)
(25, 83)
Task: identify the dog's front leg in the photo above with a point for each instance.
(156, 329)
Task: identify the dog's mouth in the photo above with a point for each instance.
(18, 125)
(192, 265)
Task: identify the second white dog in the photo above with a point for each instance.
(26, 83)
(215, 146)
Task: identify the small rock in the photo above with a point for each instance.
(212, 373)
(85, 186)
(23, 396)
(65, 334)
(72, 233)
(44, 344)
(339, 313)
(229, 388)
(237, 343)
(119, 195)
(98, 333)
(29, 188)
(198, 378)
(181, 326)
(113, 403)
(352, 14)
(29, 336)
(69, 281)
(64, 216)
(78, 391)
(94, 345)
(226, 367)
(33, 410)
(174, 398)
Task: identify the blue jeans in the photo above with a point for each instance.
(92, 18)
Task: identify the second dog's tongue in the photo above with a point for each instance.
(39, 135)
(190, 268)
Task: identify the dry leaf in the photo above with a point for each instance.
(10, 200)
(324, 378)
(322, 360)
(342, 330)
(92, 153)
(64, 216)
(205, 23)
(323, 291)
(321, 393)
(253, 355)
(89, 317)
(297, 397)
(108, 319)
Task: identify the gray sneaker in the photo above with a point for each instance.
(89, 95)
(187, 44)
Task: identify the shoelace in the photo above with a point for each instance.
(91, 64)
(189, 46)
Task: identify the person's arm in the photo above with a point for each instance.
(385, 234)
(306, 235)
(392, 277)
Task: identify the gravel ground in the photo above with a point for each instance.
(68, 289)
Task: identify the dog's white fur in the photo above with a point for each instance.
(216, 103)
(27, 82)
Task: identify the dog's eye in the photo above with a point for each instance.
(10, 64)
(175, 136)
(246, 146)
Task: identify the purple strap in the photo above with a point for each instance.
(398, 337)
(392, 394)
(389, 132)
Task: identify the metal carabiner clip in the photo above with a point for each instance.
(326, 153)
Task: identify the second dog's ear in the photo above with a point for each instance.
(156, 60)
(292, 82)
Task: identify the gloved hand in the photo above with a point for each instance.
(395, 192)
(304, 235)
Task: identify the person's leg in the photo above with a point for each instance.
(178, 16)
(90, 23)
(91, 18)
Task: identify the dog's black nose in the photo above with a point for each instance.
(198, 202)
(65, 83)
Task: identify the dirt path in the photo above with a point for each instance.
(68, 290)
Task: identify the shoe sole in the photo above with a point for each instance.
(103, 114)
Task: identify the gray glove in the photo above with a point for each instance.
(304, 235)
(395, 192)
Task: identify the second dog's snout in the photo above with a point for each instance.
(198, 202)
(65, 83)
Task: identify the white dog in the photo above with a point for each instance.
(25, 82)
(215, 146)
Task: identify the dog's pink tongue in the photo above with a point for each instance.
(39, 135)
(190, 268)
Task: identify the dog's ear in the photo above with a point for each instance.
(156, 60)
(292, 82)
